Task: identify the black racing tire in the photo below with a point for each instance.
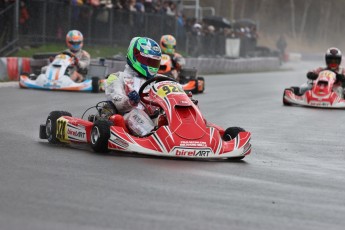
(203, 85)
(285, 102)
(95, 84)
(31, 76)
(234, 159)
(100, 134)
(43, 134)
(51, 128)
(196, 89)
(231, 133)
(296, 90)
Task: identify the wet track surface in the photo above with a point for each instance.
(294, 178)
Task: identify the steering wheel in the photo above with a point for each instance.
(68, 53)
(156, 79)
(72, 55)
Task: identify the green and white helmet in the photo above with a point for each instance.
(144, 56)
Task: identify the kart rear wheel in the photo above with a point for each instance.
(231, 133)
(100, 134)
(196, 88)
(50, 127)
(95, 84)
(234, 159)
(201, 85)
(285, 102)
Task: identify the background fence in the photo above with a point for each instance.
(48, 21)
(8, 33)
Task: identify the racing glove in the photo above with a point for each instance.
(134, 97)
(75, 60)
(312, 75)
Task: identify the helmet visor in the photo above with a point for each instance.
(146, 59)
(333, 63)
(75, 43)
(168, 46)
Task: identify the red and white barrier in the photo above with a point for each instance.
(12, 67)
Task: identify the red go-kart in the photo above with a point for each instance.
(183, 133)
(321, 94)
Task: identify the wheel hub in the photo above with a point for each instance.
(49, 128)
(95, 135)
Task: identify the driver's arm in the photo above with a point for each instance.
(84, 61)
(340, 77)
(115, 91)
(313, 74)
(179, 61)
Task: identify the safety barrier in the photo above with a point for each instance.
(218, 65)
(12, 67)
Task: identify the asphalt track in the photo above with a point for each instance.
(294, 178)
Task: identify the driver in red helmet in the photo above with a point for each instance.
(333, 60)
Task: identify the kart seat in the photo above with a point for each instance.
(118, 120)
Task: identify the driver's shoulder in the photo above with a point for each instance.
(341, 70)
(114, 77)
(85, 53)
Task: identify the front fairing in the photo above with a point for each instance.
(323, 85)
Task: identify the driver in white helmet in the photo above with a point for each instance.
(143, 61)
(74, 41)
(81, 58)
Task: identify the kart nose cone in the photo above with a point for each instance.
(190, 127)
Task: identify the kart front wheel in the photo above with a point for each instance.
(100, 134)
(51, 126)
(296, 90)
(285, 102)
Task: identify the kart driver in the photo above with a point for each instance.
(74, 41)
(168, 45)
(143, 61)
(81, 58)
(333, 59)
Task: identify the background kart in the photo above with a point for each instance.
(321, 95)
(181, 130)
(57, 77)
(187, 77)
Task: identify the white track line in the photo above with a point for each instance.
(9, 84)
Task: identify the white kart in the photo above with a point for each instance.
(57, 77)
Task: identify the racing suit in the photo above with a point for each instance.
(117, 87)
(338, 87)
(80, 69)
(177, 62)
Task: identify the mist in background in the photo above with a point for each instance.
(308, 25)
